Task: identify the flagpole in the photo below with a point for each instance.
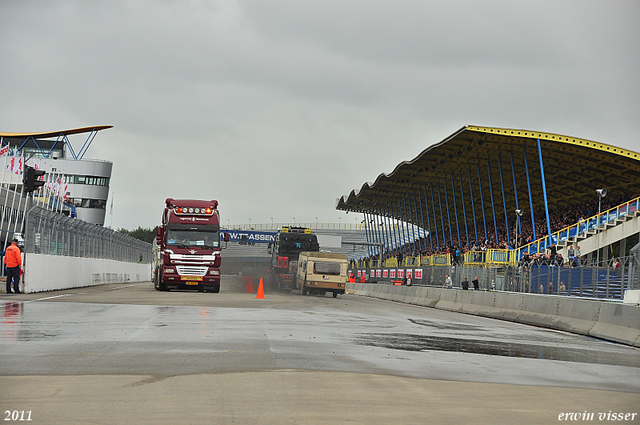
(6, 199)
(13, 201)
(15, 226)
(20, 174)
(4, 172)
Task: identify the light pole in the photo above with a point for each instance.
(294, 221)
(272, 222)
(249, 224)
(316, 223)
(339, 222)
(601, 194)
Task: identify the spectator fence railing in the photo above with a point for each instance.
(583, 228)
(51, 233)
(607, 282)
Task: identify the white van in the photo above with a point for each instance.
(319, 272)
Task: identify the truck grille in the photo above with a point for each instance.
(191, 270)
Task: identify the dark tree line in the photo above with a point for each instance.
(141, 233)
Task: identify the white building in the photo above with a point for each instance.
(87, 180)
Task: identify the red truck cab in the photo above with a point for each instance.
(188, 246)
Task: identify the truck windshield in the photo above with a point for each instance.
(326, 268)
(199, 238)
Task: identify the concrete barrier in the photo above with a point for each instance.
(54, 272)
(507, 306)
(618, 322)
(483, 303)
(447, 299)
(601, 319)
(540, 310)
(577, 315)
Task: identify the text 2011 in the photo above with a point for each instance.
(17, 415)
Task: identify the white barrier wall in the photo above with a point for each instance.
(613, 321)
(53, 272)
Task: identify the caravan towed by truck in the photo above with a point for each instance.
(320, 272)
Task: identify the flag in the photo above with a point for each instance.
(4, 150)
(17, 165)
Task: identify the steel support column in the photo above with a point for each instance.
(484, 218)
(504, 201)
(515, 191)
(444, 232)
(464, 210)
(544, 192)
(435, 224)
(526, 167)
(473, 206)
(424, 188)
(423, 246)
(493, 206)
(455, 210)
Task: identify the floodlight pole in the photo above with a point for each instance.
(601, 194)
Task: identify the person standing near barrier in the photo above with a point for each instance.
(571, 254)
(578, 255)
(476, 284)
(448, 283)
(465, 284)
(13, 261)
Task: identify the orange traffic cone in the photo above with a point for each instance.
(260, 294)
(250, 285)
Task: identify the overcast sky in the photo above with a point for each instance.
(277, 108)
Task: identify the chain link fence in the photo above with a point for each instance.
(607, 282)
(51, 233)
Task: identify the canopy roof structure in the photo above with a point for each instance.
(40, 140)
(496, 171)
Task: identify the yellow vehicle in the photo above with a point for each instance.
(319, 272)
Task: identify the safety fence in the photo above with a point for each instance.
(608, 282)
(51, 233)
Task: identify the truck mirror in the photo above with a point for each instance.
(226, 237)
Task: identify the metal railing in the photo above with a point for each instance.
(277, 226)
(51, 233)
(583, 228)
(608, 282)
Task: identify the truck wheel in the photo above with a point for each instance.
(161, 286)
(335, 295)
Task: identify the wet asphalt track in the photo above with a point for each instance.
(132, 332)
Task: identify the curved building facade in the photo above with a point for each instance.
(86, 180)
(88, 185)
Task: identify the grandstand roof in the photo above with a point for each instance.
(573, 169)
(46, 134)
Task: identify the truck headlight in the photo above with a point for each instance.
(215, 272)
(169, 271)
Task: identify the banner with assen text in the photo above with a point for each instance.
(249, 236)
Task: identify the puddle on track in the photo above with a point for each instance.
(411, 342)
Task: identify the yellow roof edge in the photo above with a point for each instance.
(57, 133)
(555, 138)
